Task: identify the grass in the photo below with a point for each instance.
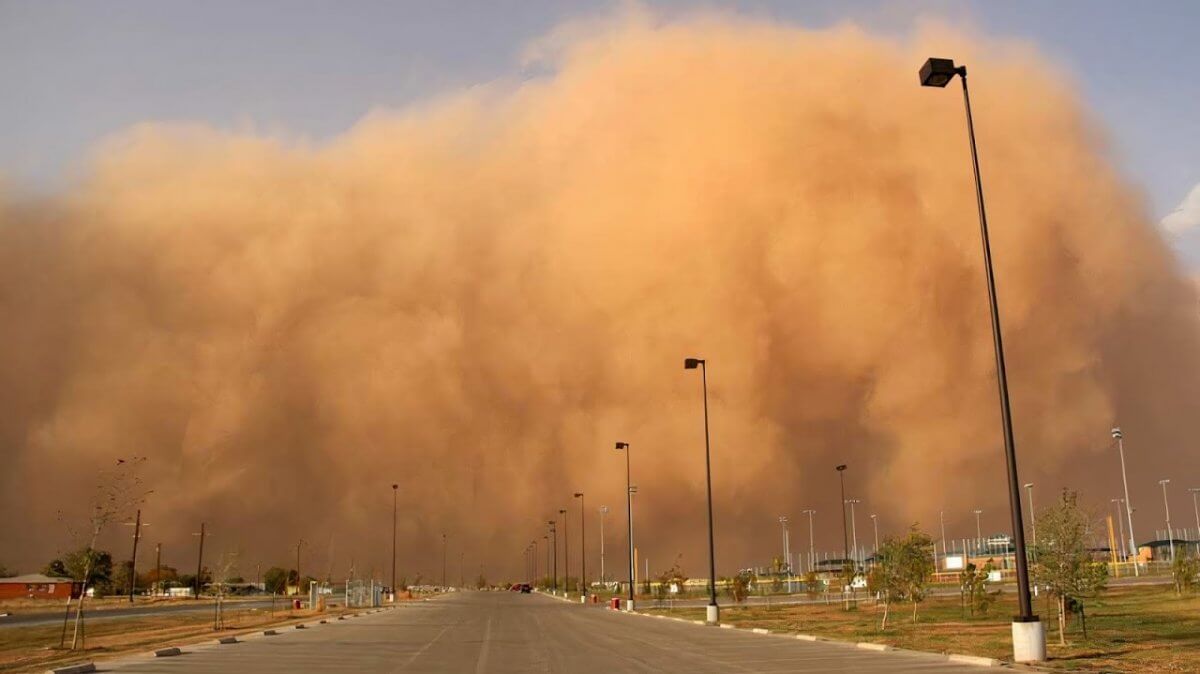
(1144, 629)
(35, 648)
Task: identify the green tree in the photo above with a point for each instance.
(1184, 571)
(275, 579)
(902, 571)
(56, 569)
(1063, 564)
(812, 584)
(90, 565)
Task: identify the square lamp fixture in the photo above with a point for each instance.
(937, 72)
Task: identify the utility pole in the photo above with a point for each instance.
(300, 578)
(137, 536)
(875, 521)
(199, 563)
(1120, 525)
(157, 569)
(566, 553)
(845, 540)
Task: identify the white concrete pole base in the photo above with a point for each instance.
(628, 604)
(1029, 641)
(712, 614)
(583, 599)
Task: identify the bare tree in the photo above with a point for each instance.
(119, 490)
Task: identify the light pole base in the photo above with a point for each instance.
(712, 614)
(628, 604)
(1029, 641)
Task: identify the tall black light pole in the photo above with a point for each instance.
(566, 553)
(712, 611)
(629, 516)
(443, 562)
(582, 543)
(554, 546)
(546, 544)
(1029, 637)
(394, 488)
(845, 536)
(535, 562)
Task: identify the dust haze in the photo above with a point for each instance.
(477, 295)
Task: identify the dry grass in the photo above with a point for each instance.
(27, 649)
(1129, 630)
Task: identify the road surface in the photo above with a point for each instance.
(505, 632)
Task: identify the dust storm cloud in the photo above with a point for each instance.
(476, 296)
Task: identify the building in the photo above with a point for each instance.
(37, 586)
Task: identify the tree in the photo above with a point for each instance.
(5, 572)
(738, 586)
(56, 569)
(1063, 565)
(902, 571)
(1185, 570)
(94, 567)
(812, 584)
(481, 582)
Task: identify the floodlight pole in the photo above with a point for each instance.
(1028, 639)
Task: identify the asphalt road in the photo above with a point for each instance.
(508, 632)
(18, 619)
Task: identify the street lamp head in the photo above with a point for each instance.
(578, 494)
(1116, 432)
(395, 487)
(562, 511)
(1029, 485)
(622, 445)
(841, 467)
(692, 363)
(1163, 481)
(938, 72)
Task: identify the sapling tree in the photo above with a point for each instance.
(1063, 564)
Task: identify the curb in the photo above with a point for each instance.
(868, 646)
(81, 668)
(809, 637)
(761, 630)
(728, 626)
(167, 652)
(227, 640)
(973, 660)
(269, 633)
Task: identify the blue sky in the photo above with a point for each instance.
(73, 72)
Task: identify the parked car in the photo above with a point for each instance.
(526, 588)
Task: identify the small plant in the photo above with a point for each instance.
(1184, 571)
(739, 586)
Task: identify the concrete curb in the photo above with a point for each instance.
(269, 633)
(227, 640)
(167, 652)
(728, 626)
(80, 668)
(973, 660)
(299, 626)
(809, 637)
(868, 646)
(761, 630)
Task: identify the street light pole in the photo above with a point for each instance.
(854, 530)
(137, 536)
(1029, 636)
(566, 554)
(1167, 510)
(787, 552)
(603, 516)
(812, 548)
(942, 520)
(1032, 514)
(712, 612)
(978, 531)
(394, 488)
(443, 562)
(582, 542)
(199, 563)
(845, 538)
(875, 521)
(1120, 525)
(629, 517)
(1196, 510)
(1133, 551)
(535, 562)
(554, 545)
